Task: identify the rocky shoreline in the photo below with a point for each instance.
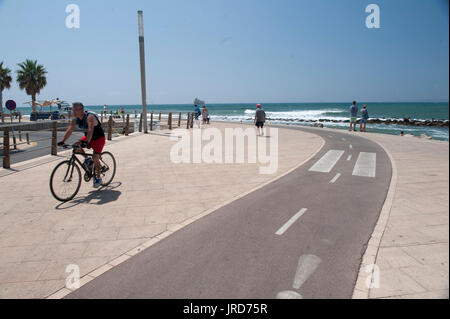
(404, 121)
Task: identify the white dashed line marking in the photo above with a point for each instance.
(351, 146)
(290, 222)
(335, 178)
(349, 157)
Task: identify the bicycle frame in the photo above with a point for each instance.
(74, 159)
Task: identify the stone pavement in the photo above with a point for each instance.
(410, 244)
(149, 198)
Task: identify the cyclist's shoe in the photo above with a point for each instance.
(97, 182)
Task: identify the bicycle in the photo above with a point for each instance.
(66, 176)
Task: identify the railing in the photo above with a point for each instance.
(111, 127)
(11, 115)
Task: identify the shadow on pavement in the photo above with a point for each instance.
(99, 196)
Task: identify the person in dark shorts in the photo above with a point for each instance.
(260, 119)
(94, 136)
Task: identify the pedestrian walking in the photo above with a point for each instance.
(197, 114)
(260, 119)
(205, 115)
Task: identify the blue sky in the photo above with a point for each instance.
(230, 51)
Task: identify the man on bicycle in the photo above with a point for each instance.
(94, 137)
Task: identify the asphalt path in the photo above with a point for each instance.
(301, 236)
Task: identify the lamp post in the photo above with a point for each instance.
(142, 57)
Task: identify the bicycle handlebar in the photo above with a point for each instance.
(66, 146)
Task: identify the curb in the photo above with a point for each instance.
(362, 289)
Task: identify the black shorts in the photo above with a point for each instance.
(259, 124)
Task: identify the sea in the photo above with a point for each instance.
(292, 113)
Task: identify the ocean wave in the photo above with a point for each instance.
(306, 115)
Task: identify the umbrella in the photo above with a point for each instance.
(46, 103)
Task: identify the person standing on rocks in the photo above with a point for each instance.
(353, 115)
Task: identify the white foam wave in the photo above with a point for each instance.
(304, 115)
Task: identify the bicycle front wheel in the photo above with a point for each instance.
(107, 168)
(65, 181)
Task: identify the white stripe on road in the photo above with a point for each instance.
(365, 165)
(344, 139)
(327, 162)
(349, 157)
(335, 178)
(351, 146)
(307, 264)
(290, 222)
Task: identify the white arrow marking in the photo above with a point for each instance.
(288, 294)
(307, 264)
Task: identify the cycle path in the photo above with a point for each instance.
(303, 235)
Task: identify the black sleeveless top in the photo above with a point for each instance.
(98, 130)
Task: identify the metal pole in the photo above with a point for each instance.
(54, 150)
(151, 121)
(142, 57)
(127, 125)
(110, 121)
(6, 159)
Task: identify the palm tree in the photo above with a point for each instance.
(5, 82)
(31, 77)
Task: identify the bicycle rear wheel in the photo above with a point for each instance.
(108, 168)
(65, 181)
